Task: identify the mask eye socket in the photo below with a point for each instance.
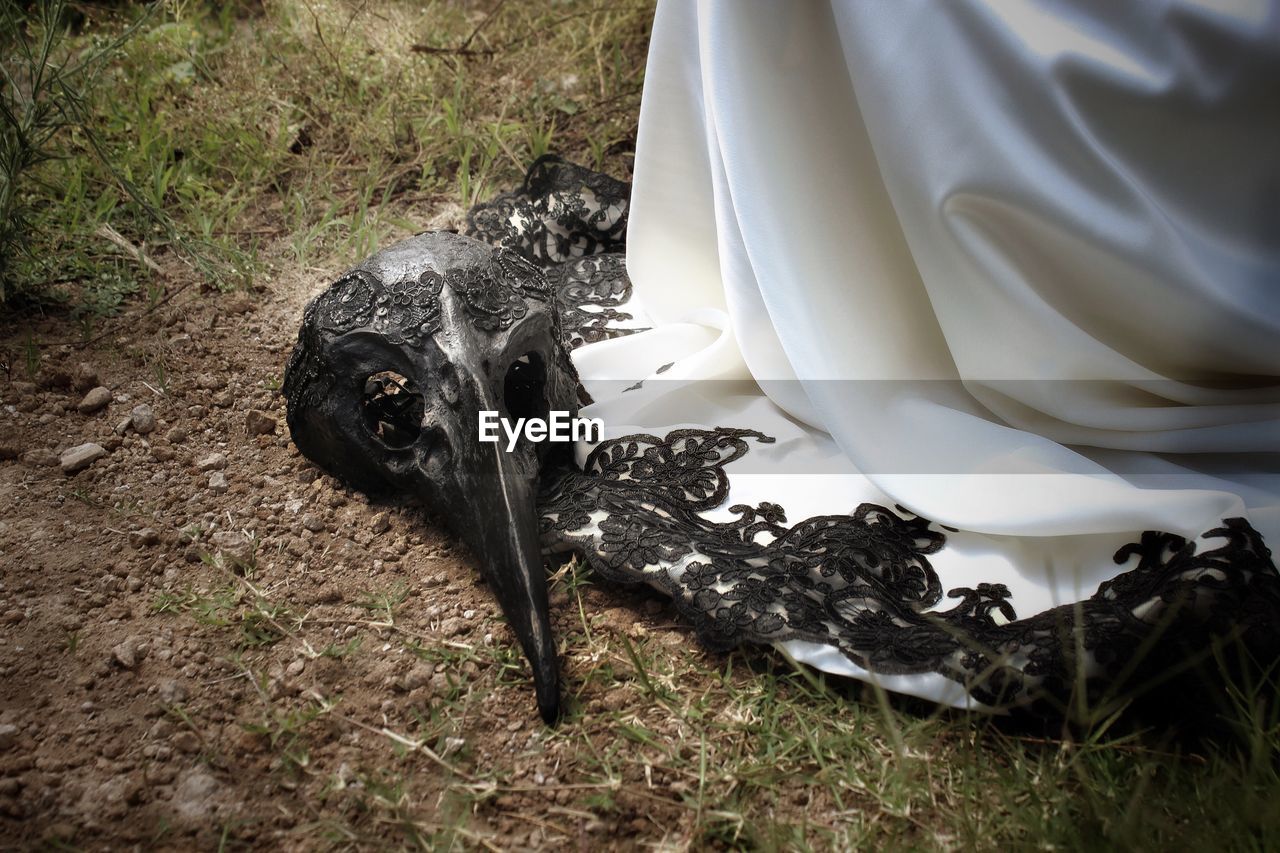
(393, 409)
(524, 390)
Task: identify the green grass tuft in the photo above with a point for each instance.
(210, 130)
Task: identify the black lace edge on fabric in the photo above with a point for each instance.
(860, 583)
(863, 583)
(561, 212)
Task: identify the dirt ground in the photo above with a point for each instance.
(207, 641)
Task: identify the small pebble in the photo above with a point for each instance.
(234, 549)
(81, 456)
(96, 399)
(419, 676)
(171, 692)
(85, 377)
(259, 423)
(212, 462)
(143, 419)
(125, 654)
(144, 538)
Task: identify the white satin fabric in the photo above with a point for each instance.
(1012, 265)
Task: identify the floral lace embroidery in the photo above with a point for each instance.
(562, 211)
(863, 582)
(588, 292)
(407, 312)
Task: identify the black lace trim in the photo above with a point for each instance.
(563, 211)
(588, 293)
(863, 583)
(573, 222)
(407, 312)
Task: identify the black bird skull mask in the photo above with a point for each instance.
(393, 366)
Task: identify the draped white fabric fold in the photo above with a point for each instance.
(1013, 266)
(1011, 251)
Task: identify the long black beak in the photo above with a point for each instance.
(500, 524)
